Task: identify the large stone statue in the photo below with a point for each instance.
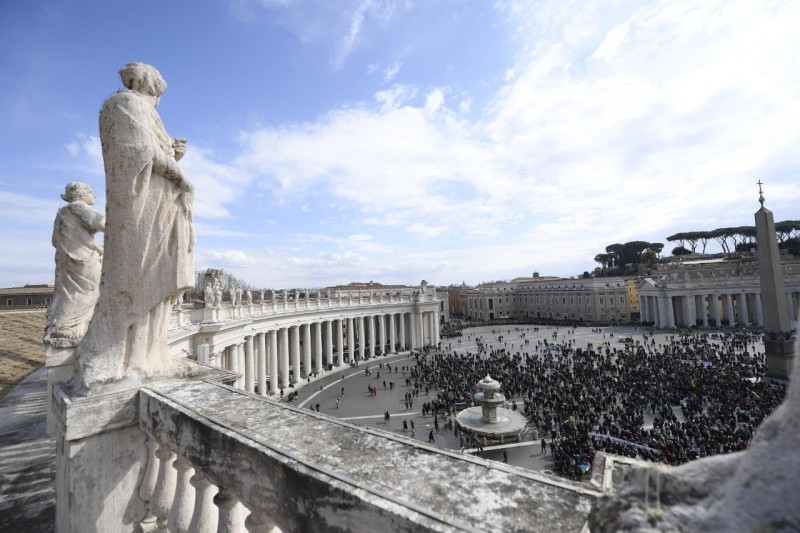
(78, 263)
(149, 235)
(208, 296)
(217, 293)
(234, 296)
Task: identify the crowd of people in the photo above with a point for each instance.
(703, 391)
(455, 327)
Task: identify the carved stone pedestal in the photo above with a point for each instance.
(60, 363)
(780, 355)
(100, 458)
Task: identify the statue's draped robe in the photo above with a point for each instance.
(149, 238)
(77, 274)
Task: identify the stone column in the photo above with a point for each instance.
(392, 333)
(283, 363)
(362, 338)
(656, 308)
(700, 306)
(295, 351)
(242, 358)
(273, 361)
(692, 318)
(318, 346)
(758, 309)
(402, 319)
(412, 326)
(306, 350)
(669, 313)
(744, 312)
(249, 364)
(328, 342)
(371, 320)
(339, 341)
(715, 309)
(435, 330)
(262, 363)
(642, 309)
(420, 329)
(729, 313)
(233, 359)
(351, 340)
(381, 334)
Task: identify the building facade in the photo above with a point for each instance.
(27, 296)
(600, 300)
(719, 291)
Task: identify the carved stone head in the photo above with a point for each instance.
(143, 78)
(76, 190)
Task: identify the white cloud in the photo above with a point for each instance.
(341, 27)
(611, 126)
(86, 154)
(356, 20)
(28, 209)
(612, 43)
(218, 186)
(391, 71)
(395, 97)
(427, 230)
(434, 101)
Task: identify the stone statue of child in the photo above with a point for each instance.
(78, 266)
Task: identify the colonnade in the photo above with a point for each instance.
(688, 309)
(271, 360)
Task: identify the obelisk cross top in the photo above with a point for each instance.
(760, 193)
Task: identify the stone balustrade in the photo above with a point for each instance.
(198, 455)
(278, 306)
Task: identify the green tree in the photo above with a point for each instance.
(678, 237)
(787, 229)
(681, 250)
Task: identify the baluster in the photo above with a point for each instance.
(146, 489)
(231, 512)
(165, 486)
(182, 506)
(204, 519)
(259, 522)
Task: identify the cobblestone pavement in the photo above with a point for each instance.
(21, 347)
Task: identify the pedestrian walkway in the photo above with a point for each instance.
(27, 458)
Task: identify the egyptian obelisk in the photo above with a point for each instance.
(778, 339)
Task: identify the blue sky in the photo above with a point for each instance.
(393, 141)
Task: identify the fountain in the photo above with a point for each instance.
(490, 420)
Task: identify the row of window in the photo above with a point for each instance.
(29, 301)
